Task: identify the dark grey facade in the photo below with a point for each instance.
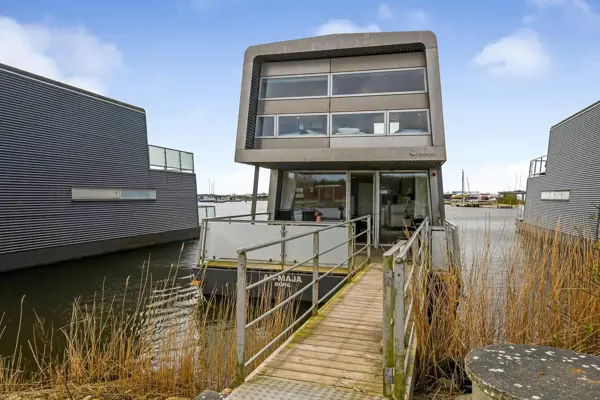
(54, 137)
(565, 191)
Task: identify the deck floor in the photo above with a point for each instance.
(336, 355)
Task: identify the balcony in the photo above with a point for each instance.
(537, 166)
(162, 158)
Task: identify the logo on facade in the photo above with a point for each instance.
(285, 281)
(416, 154)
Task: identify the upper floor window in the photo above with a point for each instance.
(299, 125)
(378, 82)
(358, 123)
(294, 86)
(408, 122)
(265, 126)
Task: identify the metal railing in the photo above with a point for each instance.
(403, 273)
(243, 287)
(166, 159)
(537, 166)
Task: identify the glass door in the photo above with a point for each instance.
(403, 204)
(361, 199)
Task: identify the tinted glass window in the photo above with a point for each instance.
(265, 126)
(303, 194)
(296, 125)
(301, 86)
(358, 124)
(409, 122)
(412, 80)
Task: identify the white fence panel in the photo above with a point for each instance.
(300, 249)
(223, 238)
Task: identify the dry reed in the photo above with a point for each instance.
(172, 342)
(544, 291)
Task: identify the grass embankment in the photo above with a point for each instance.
(545, 292)
(172, 343)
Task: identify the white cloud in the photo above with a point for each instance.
(581, 7)
(417, 19)
(70, 55)
(334, 26)
(384, 12)
(518, 55)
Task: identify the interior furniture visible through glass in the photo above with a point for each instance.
(358, 124)
(300, 125)
(404, 204)
(303, 194)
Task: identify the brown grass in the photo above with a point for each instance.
(172, 343)
(546, 291)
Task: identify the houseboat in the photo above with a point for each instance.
(563, 187)
(78, 178)
(350, 126)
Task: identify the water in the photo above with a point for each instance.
(50, 290)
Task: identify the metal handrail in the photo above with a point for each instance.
(242, 288)
(397, 318)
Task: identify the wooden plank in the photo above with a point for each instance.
(343, 352)
(338, 339)
(325, 371)
(359, 386)
(342, 344)
(342, 334)
(364, 320)
(369, 334)
(343, 365)
(318, 355)
(358, 328)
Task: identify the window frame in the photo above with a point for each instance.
(274, 126)
(424, 69)
(387, 127)
(568, 191)
(84, 194)
(332, 134)
(262, 78)
(276, 116)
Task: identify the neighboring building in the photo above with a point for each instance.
(76, 178)
(563, 187)
(349, 125)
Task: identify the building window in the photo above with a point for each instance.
(294, 87)
(303, 194)
(105, 194)
(302, 125)
(408, 122)
(265, 126)
(379, 82)
(358, 124)
(560, 195)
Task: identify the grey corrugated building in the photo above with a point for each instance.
(349, 125)
(76, 177)
(563, 188)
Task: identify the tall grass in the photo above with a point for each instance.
(171, 342)
(545, 291)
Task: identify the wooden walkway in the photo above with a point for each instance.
(336, 355)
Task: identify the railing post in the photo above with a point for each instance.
(240, 373)
(282, 246)
(369, 232)
(388, 324)
(350, 249)
(315, 288)
(399, 347)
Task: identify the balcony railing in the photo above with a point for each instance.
(537, 166)
(162, 158)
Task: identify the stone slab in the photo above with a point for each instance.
(533, 373)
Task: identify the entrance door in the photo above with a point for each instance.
(403, 204)
(362, 200)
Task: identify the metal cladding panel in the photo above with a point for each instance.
(53, 138)
(573, 154)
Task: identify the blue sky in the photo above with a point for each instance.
(510, 69)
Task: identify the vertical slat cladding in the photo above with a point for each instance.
(253, 106)
(573, 154)
(54, 138)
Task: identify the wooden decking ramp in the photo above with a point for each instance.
(335, 355)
